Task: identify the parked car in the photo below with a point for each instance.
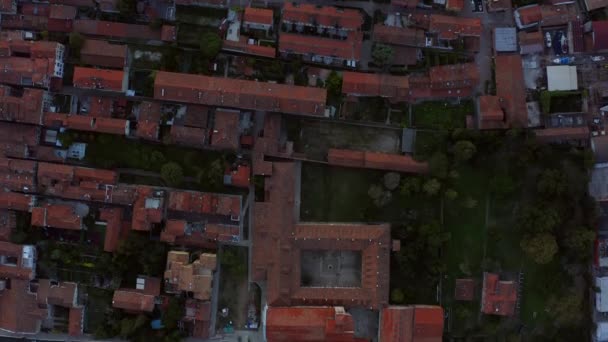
(548, 39)
(564, 60)
(597, 58)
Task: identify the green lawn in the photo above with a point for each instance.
(98, 302)
(340, 194)
(441, 115)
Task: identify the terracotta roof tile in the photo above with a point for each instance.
(215, 91)
(365, 84)
(375, 160)
(189, 136)
(133, 301)
(404, 36)
(113, 218)
(57, 216)
(225, 133)
(510, 86)
(411, 324)
(104, 54)
(309, 324)
(19, 311)
(326, 16)
(449, 27)
(99, 79)
(258, 15)
(348, 49)
(499, 296)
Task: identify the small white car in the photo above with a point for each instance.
(548, 39)
(597, 58)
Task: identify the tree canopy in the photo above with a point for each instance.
(382, 54)
(172, 173)
(541, 247)
(210, 45)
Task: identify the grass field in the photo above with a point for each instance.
(441, 115)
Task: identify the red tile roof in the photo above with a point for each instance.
(215, 91)
(403, 36)
(148, 121)
(24, 266)
(375, 160)
(62, 12)
(278, 239)
(529, 14)
(326, 16)
(189, 136)
(562, 134)
(61, 293)
(240, 176)
(258, 15)
(148, 209)
(26, 108)
(75, 321)
(405, 3)
(121, 30)
(101, 106)
(491, 114)
(87, 123)
(384, 85)
(113, 219)
(558, 15)
(511, 88)
(8, 6)
(309, 324)
(600, 34)
(454, 5)
(19, 310)
(348, 49)
(205, 203)
(498, 297)
(132, 301)
(225, 133)
(15, 201)
(17, 175)
(99, 79)
(37, 71)
(243, 46)
(449, 27)
(168, 33)
(418, 323)
(104, 54)
(454, 76)
(57, 216)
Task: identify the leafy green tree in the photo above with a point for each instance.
(579, 242)
(210, 44)
(173, 314)
(566, 308)
(431, 187)
(552, 182)
(397, 296)
(382, 54)
(451, 194)
(172, 173)
(76, 41)
(391, 180)
(410, 186)
(464, 150)
(333, 84)
(438, 165)
(469, 202)
(541, 247)
(502, 185)
(213, 175)
(539, 218)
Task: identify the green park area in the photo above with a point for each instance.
(492, 202)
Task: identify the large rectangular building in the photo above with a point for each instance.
(253, 95)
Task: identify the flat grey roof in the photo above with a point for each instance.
(505, 39)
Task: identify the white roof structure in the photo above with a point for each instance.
(601, 332)
(601, 297)
(562, 77)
